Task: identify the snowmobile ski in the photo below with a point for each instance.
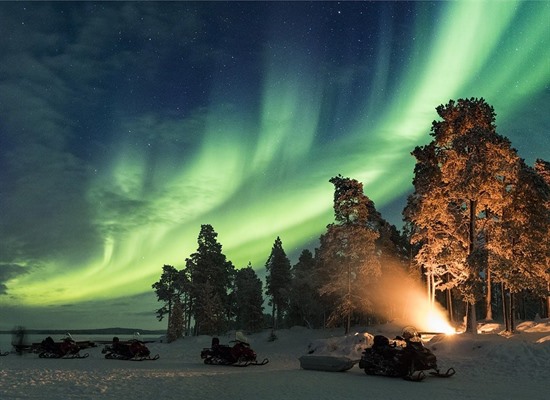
(242, 363)
(450, 372)
(115, 356)
(4, 354)
(247, 363)
(263, 362)
(46, 354)
(416, 376)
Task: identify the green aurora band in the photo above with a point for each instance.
(257, 175)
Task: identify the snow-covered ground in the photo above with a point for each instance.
(488, 366)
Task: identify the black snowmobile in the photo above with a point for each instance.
(67, 348)
(405, 357)
(134, 350)
(238, 355)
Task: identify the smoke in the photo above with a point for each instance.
(397, 296)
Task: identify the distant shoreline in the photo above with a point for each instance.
(101, 331)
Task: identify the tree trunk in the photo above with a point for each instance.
(512, 312)
(273, 319)
(488, 298)
(505, 309)
(472, 323)
(466, 315)
(548, 306)
(473, 319)
(449, 301)
(348, 322)
(429, 286)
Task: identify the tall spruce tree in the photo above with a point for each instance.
(248, 300)
(347, 260)
(278, 281)
(211, 279)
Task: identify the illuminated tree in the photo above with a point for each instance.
(347, 260)
(521, 249)
(248, 300)
(305, 303)
(278, 281)
(211, 279)
(463, 182)
(542, 168)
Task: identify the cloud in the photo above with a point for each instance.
(9, 272)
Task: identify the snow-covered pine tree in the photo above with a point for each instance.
(521, 248)
(542, 168)
(463, 182)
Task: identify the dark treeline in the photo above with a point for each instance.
(475, 235)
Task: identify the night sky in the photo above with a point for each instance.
(125, 126)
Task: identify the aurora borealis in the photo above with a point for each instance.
(124, 126)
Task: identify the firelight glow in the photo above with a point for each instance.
(125, 126)
(438, 323)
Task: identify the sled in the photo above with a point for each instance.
(326, 363)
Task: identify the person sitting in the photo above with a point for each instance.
(121, 348)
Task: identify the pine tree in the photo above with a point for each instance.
(168, 289)
(542, 168)
(522, 250)
(211, 279)
(278, 281)
(463, 182)
(347, 260)
(248, 300)
(176, 324)
(305, 303)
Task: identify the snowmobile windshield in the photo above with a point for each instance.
(410, 333)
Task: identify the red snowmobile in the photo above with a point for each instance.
(67, 348)
(238, 355)
(134, 350)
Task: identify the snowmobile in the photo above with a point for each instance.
(133, 350)
(405, 357)
(238, 355)
(67, 348)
